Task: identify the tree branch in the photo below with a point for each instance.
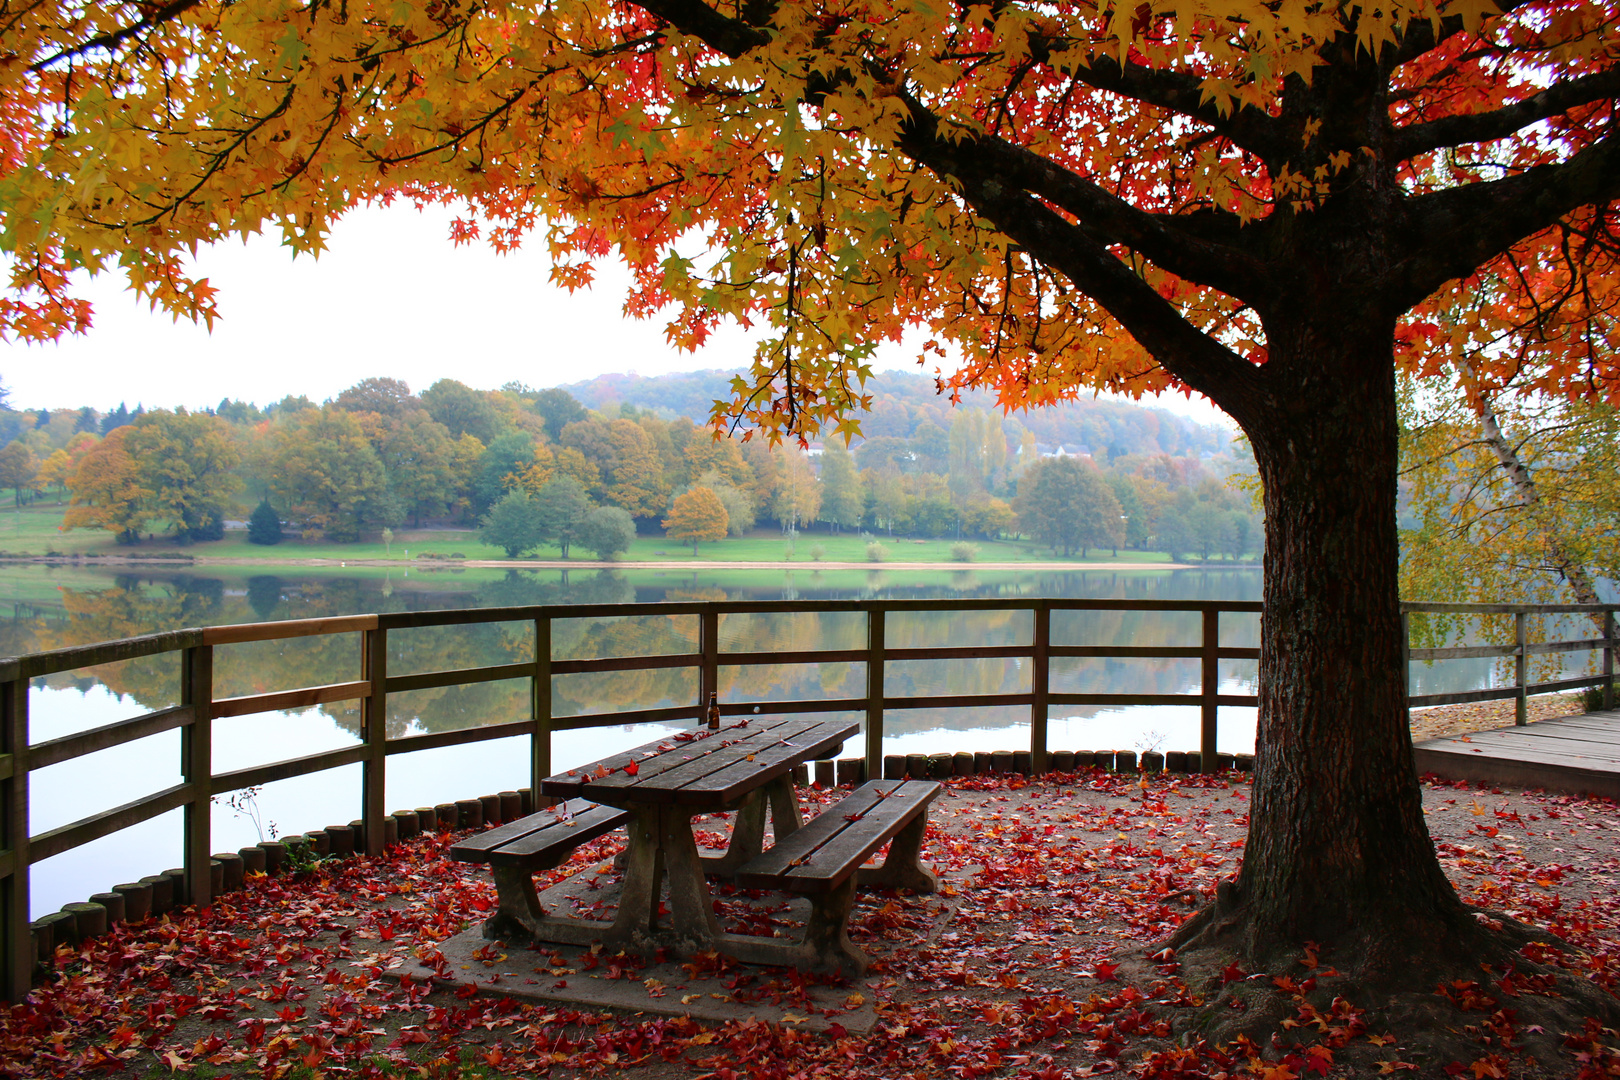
(1449, 234)
(1249, 128)
(112, 40)
(1202, 247)
(1500, 123)
(730, 36)
(1193, 357)
(1421, 35)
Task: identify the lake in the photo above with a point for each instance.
(57, 606)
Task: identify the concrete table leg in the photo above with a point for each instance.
(690, 905)
(637, 918)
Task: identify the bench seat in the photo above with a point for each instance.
(822, 861)
(516, 850)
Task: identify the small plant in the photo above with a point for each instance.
(1149, 742)
(817, 553)
(1592, 698)
(787, 554)
(245, 804)
(301, 858)
(876, 553)
(961, 552)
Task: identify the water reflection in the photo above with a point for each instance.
(98, 608)
(47, 608)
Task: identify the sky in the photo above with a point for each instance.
(391, 296)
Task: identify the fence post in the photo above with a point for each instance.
(374, 732)
(709, 663)
(540, 694)
(1608, 659)
(1406, 661)
(874, 693)
(1210, 681)
(14, 893)
(197, 769)
(1521, 701)
(1040, 687)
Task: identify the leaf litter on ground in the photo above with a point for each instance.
(1011, 971)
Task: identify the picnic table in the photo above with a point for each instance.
(744, 767)
(657, 789)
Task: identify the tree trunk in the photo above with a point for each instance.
(1338, 852)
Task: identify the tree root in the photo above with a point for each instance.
(1477, 988)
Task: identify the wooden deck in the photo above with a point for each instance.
(1576, 755)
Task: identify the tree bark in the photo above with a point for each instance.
(1338, 852)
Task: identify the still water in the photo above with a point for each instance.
(52, 607)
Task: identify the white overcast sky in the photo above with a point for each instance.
(391, 296)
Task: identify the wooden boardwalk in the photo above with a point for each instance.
(1576, 755)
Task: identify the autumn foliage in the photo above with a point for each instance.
(696, 515)
(642, 127)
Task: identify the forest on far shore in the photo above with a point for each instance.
(593, 465)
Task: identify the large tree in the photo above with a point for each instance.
(1266, 203)
(696, 514)
(320, 466)
(107, 493)
(561, 507)
(416, 454)
(513, 524)
(841, 497)
(187, 464)
(1065, 503)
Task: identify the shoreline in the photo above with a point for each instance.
(595, 564)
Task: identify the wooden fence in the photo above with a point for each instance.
(198, 707)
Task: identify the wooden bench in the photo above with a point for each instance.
(822, 859)
(516, 850)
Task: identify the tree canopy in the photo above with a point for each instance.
(1066, 504)
(944, 169)
(513, 524)
(696, 515)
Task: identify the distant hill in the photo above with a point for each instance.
(903, 400)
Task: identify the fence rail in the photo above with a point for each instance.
(193, 717)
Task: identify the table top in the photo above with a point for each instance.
(703, 768)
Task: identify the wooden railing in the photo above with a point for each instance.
(1520, 651)
(198, 707)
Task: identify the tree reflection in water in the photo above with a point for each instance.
(128, 605)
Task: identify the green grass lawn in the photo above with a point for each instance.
(35, 530)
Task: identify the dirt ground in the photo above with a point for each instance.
(1010, 971)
